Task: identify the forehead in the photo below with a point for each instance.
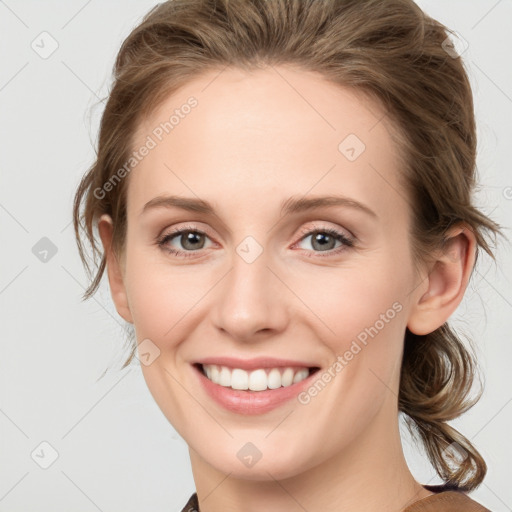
(279, 131)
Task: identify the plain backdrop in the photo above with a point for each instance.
(72, 441)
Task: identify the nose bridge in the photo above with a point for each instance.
(251, 298)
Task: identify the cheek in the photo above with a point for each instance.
(163, 298)
(363, 317)
(351, 298)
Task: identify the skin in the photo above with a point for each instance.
(254, 140)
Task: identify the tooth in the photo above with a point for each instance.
(258, 380)
(215, 374)
(300, 375)
(274, 379)
(287, 377)
(239, 379)
(225, 377)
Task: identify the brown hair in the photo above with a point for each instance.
(391, 51)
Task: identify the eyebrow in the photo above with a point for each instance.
(291, 205)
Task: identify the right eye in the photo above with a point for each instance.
(189, 238)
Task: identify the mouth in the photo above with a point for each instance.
(253, 386)
(255, 380)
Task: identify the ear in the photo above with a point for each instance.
(114, 269)
(443, 288)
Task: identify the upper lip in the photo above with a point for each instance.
(255, 363)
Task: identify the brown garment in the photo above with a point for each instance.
(445, 499)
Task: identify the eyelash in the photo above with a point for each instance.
(347, 242)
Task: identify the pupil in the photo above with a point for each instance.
(323, 239)
(190, 238)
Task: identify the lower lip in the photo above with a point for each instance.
(251, 402)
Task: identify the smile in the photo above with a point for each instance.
(255, 380)
(256, 389)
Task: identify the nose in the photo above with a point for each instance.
(251, 301)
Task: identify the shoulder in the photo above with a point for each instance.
(444, 501)
(447, 501)
(192, 504)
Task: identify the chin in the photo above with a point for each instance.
(274, 463)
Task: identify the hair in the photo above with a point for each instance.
(392, 52)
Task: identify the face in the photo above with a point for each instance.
(244, 269)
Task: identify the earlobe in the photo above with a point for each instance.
(114, 269)
(446, 282)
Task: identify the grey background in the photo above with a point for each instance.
(116, 451)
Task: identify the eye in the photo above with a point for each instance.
(324, 240)
(189, 239)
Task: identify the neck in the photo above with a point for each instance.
(368, 475)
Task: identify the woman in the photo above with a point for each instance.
(320, 155)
